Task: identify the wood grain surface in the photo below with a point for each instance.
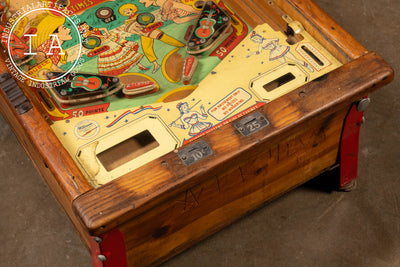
(175, 206)
(126, 197)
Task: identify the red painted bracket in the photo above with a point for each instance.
(108, 250)
(349, 145)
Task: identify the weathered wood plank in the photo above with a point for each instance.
(203, 209)
(126, 197)
(48, 155)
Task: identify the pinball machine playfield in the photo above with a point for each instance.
(158, 122)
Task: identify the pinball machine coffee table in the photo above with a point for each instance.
(183, 116)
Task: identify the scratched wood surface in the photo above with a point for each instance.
(128, 196)
(48, 155)
(177, 206)
(301, 142)
(218, 201)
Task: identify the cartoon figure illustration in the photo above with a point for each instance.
(277, 51)
(173, 10)
(121, 55)
(51, 34)
(190, 119)
(137, 24)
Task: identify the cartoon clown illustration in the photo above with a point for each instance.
(190, 119)
(277, 52)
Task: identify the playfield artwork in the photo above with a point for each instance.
(157, 123)
(141, 78)
(120, 54)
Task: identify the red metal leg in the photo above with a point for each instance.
(108, 250)
(350, 142)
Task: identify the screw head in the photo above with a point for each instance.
(101, 257)
(97, 239)
(164, 164)
(363, 104)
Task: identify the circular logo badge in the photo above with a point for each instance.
(87, 129)
(36, 42)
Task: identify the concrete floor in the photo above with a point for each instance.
(310, 226)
